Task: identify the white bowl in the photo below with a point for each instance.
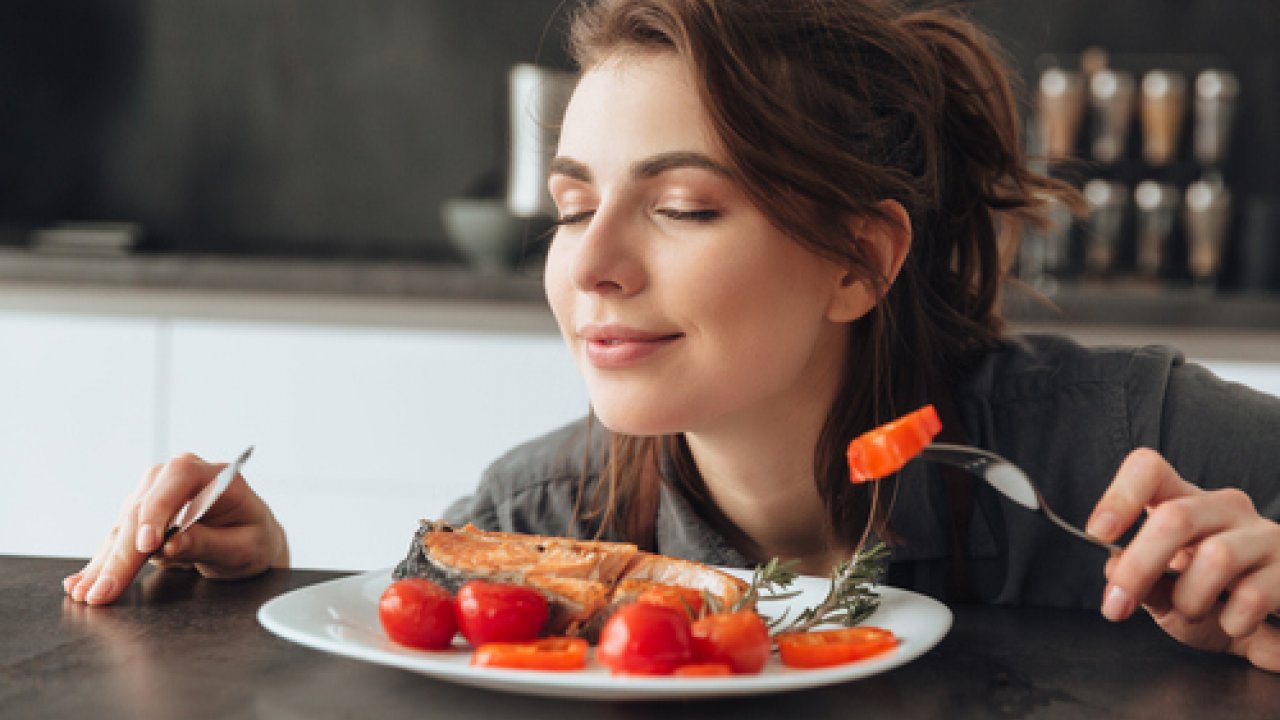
(484, 231)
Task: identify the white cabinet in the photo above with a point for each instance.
(78, 419)
(359, 432)
(360, 427)
(1258, 375)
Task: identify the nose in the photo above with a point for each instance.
(608, 256)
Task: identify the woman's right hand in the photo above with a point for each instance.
(238, 537)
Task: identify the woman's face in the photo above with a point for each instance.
(683, 306)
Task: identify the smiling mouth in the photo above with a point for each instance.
(614, 341)
(616, 352)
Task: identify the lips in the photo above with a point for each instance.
(613, 346)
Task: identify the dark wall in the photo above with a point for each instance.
(278, 126)
(333, 127)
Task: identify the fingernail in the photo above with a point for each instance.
(1117, 605)
(1105, 525)
(82, 587)
(69, 582)
(146, 538)
(100, 590)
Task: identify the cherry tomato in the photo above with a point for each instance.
(418, 613)
(883, 451)
(822, 648)
(738, 639)
(711, 669)
(497, 612)
(686, 600)
(644, 639)
(554, 653)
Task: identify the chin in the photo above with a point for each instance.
(637, 421)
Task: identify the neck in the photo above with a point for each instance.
(759, 471)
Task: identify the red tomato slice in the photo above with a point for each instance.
(738, 639)
(418, 613)
(709, 669)
(497, 612)
(882, 451)
(644, 639)
(823, 648)
(554, 653)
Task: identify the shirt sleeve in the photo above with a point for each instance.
(1218, 433)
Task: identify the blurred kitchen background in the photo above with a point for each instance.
(316, 226)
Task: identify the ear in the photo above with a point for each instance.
(889, 240)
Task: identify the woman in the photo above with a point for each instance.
(780, 225)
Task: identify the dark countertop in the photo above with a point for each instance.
(348, 277)
(179, 646)
(1116, 303)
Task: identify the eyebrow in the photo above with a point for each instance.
(642, 169)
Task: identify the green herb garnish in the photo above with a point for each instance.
(850, 599)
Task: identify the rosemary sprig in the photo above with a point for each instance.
(849, 600)
(769, 582)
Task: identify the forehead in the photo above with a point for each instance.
(634, 105)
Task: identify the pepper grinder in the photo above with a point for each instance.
(1215, 104)
(1163, 105)
(1059, 107)
(537, 98)
(1111, 94)
(1107, 200)
(1207, 212)
(1157, 204)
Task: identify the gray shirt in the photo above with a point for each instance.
(1066, 414)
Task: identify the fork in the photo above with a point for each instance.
(1009, 480)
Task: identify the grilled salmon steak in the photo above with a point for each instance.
(583, 580)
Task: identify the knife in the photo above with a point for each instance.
(200, 504)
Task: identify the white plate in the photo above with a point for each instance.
(341, 617)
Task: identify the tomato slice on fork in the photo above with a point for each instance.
(882, 451)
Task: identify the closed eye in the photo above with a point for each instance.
(692, 215)
(574, 218)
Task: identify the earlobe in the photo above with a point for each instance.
(888, 240)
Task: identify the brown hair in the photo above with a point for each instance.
(826, 108)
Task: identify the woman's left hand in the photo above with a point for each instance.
(1217, 542)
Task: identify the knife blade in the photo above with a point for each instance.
(200, 504)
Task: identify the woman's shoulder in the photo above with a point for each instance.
(1031, 365)
(533, 487)
(1047, 397)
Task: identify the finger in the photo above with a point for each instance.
(1171, 526)
(1252, 598)
(77, 584)
(1144, 479)
(178, 481)
(1219, 562)
(222, 552)
(1182, 559)
(118, 566)
(1262, 648)
(89, 573)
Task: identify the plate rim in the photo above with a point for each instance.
(592, 684)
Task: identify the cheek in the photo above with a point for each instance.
(556, 285)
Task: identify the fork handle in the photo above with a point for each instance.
(1272, 619)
